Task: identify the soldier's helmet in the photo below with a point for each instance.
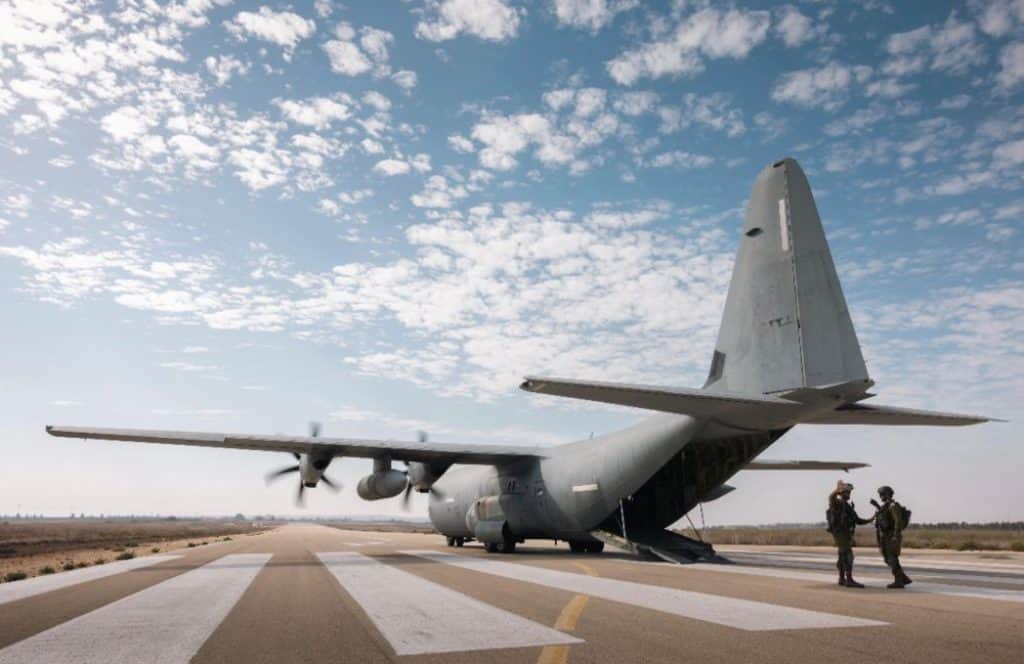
(885, 491)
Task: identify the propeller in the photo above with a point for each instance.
(314, 432)
(422, 437)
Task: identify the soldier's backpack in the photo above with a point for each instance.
(902, 514)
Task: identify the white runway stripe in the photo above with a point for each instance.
(920, 561)
(738, 613)
(417, 616)
(164, 624)
(918, 586)
(38, 585)
(876, 568)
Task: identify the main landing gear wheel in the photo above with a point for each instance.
(450, 541)
(506, 546)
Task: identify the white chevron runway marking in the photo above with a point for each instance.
(163, 624)
(10, 592)
(998, 594)
(418, 617)
(737, 613)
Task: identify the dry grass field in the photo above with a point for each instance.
(957, 539)
(33, 547)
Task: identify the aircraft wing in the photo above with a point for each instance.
(425, 452)
(696, 403)
(780, 464)
(856, 413)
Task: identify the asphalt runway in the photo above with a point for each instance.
(310, 593)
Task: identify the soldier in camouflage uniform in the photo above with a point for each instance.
(842, 522)
(889, 524)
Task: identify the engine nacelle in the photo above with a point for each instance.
(381, 484)
(422, 475)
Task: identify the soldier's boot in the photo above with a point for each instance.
(842, 574)
(850, 583)
(905, 579)
(897, 582)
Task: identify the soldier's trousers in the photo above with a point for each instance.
(844, 559)
(890, 549)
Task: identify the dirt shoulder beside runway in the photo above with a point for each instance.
(32, 547)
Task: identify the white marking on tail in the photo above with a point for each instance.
(783, 225)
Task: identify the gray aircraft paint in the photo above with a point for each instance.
(786, 354)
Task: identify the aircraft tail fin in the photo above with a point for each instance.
(786, 325)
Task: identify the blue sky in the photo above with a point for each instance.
(241, 217)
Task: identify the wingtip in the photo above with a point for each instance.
(529, 384)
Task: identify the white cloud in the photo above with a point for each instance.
(391, 167)
(680, 158)
(793, 27)
(318, 112)
(558, 139)
(195, 152)
(223, 67)
(377, 101)
(460, 143)
(438, 193)
(709, 33)
(955, 102)
(285, 29)
(635, 103)
(951, 47)
(826, 87)
(405, 79)
(323, 9)
(589, 15)
(959, 184)
(1010, 153)
(1011, 65)
(714, 111)
(126, 123)
(490, 20)
(353, 56)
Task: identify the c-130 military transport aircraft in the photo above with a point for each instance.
(786, 354)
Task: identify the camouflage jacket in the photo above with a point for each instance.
(843, 517)
(888, 520)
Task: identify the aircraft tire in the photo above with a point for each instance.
(595, 547)
(450, 541)
(490, 547)
(577, 547)
(459, 541)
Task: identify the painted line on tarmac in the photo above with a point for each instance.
(166, 623)
(566, 621)
(420, 617)
(997, 594)
(936, 563)
(967, 577)
(738, 613)
(10, 592)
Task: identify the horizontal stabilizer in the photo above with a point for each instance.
(856, 413)
(780, 464)
(696, 403)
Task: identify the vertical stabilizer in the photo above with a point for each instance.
(786, 325)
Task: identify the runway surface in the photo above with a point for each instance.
(310, 593)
